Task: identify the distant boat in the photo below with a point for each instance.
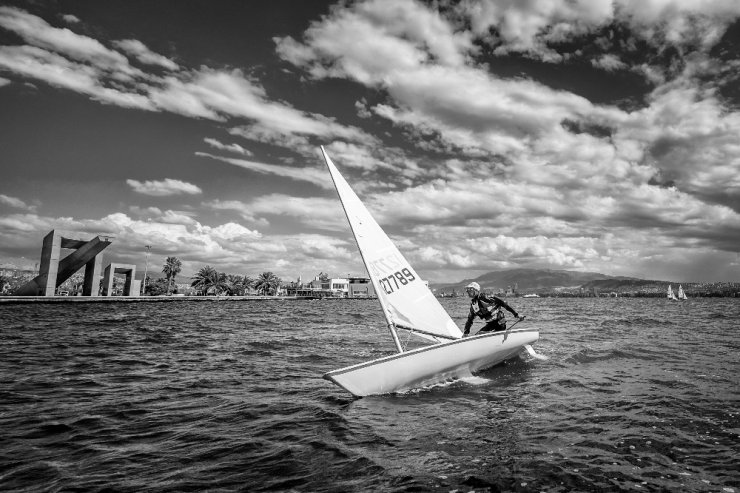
(681, 294)
(408, 304)
(533, 295)
(670, 295)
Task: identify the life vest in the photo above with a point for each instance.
(487, 311)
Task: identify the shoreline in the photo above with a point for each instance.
(21, 300)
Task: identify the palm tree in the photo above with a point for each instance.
(172, 267)
(248, 283)
(222, 284)
(209, 279)
(267, 283)
(234, 285)
(238, 285)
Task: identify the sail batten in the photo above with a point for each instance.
(406, 301)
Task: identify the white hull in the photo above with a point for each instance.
(432, 364)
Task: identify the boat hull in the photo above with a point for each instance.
(431, 364)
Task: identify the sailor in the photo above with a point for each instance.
(489, 308)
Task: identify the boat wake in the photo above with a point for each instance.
(447, 381)
(475, 380)
(534, 353)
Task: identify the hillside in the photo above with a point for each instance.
(533, 279)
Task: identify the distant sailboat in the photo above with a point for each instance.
(681, 294)
(670, 295)
(408, 304)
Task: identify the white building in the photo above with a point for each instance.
(346, 287)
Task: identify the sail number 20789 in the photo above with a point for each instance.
(396, 280)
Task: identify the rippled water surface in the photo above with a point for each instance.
(637, 394)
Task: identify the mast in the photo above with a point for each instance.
(376, 286)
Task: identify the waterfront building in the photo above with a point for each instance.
(360, 287)
(338, 287)
(345, 287)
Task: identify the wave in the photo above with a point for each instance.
(230, 396)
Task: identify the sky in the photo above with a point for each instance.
(585, 135)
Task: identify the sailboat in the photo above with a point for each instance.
(409, 305)
(681, 293)
(670, 294)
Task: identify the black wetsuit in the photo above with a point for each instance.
(489, 309)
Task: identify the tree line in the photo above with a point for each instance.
(209, 281)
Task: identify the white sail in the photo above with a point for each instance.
(670, 294)
(407, 302)
(681, 293)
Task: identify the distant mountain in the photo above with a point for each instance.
(533, 279)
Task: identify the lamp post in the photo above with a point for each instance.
(146, 268)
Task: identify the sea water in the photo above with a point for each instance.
(636, 395)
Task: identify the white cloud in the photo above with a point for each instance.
(244, 210)
(38, 32)
(235, 148)
(56, 70)
(609, 62)
(689, 140)
(229, 247)
(16, 223)
(163, 188)
(139, 50)
(216, 95)
(539, 177)
(71, 19)
(312, 175)
(311, 212)
(528, 27)
(82, 64)
(14, 202)
(377, 37)
(4, 81)
(464, 105)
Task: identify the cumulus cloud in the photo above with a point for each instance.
(163, 188)
(533, 27)
(555, 161)
(82, 64)
(230, 246)
(382, 36)
(466, 107)
(690, 141)
(609, 62)
(506, 171)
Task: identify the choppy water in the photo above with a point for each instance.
(637, 394)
